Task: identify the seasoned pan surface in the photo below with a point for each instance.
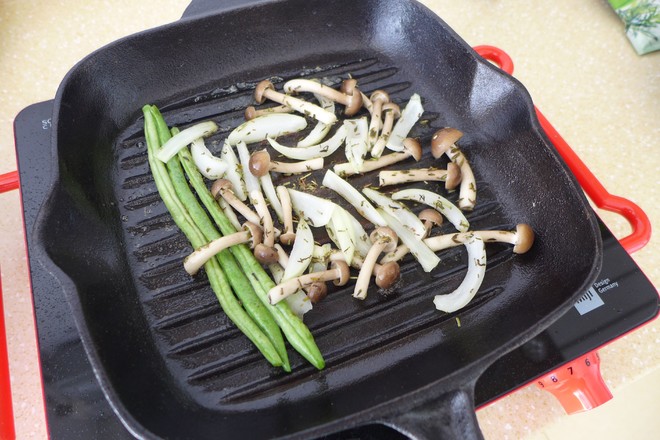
(168, 359)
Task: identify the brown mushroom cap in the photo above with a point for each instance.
(265, 254)
(443, 139)
(250, 113)
(219, 186)
(260, 89)
(317, 291)
(387, 274)
(259, 163)
(379, 96)
(353, 95)
(454, 176)
(256, 233)
(392, 107)
(344, 272)
(386, 236)
(432, 216)
(287, 238)
(412, 146)
(525, 238)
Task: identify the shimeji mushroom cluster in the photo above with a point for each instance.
(397, 231)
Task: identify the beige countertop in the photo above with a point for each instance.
(581, 72)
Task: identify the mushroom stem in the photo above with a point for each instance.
(366, 103)
(339, 274)
(451, 176)
(444, 142)
(260, 164)
(378, 98)
(346, 97)
(383, 238)
(266, 219)
(251, 112)
(266, 90)
(288, 235)
(250, 233)
(392, 112)
(412, 148)
(223, 188)
(282, 257)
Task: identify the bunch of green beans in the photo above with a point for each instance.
(236, 268)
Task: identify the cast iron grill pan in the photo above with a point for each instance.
(170, 362)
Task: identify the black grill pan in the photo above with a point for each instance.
(168, 360)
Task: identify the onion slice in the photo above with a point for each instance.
(422, 253)
(476, 271)
(352, 196)
(342, 232)
(357, 141)
(271, 195)
(185, 137)
(397, 210)
(409, 117)
(251, 181)
(314, 151)
(315, 210)
(267, 126)
(210, 166)
(321, 129)
(298, 302)
(234, 173)
(441, 204)
(301, 253)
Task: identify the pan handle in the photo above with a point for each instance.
(639, 221)
(199, 7)
(446, 415)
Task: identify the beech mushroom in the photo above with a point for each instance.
(391, 112)
(266, 90)
(444, 142)
(265, 252)
(430, 218)
(411, 148)
(260, 164)
(385, 274)
(316, 291)
(338, 273)
(288, 235)
(251, 112)
(378, 98)
(223, 188)
(383, 239)
(349, 96)
(250, 234)
(366, 103)
(452, 176)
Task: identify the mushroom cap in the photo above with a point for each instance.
(392, 107)
(265, 254)
(386, 236)
(287, 238)
(525, 238)
(443, 139)
(219, 186)
(413, 146)
(317, 291)
(387, 274)
(431, 215)
(353, 97)
(454, 176)
(260, 89)
(250, 113)
(259, 163)
(348, 86)
(343, 270)
(256, 233)
(379, 96)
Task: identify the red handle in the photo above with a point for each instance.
(8, 181)
(6, 412)
(639, 221)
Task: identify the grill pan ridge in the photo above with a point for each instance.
(168, 359)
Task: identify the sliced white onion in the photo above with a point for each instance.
(321, 129)
(301, 253)
(357, 141)
(263, 127)
(251, 181)
(476, 271)
(342, 232)
(352, 196)
(210, 166)
(314, 151)
(362, 241)
(409, 117)
(320, 256)
(234, 171)
(298, 302)
(425, 256)
(185, 137)
(315, 210)
(397, 210)
(436, 201)
(271, 195)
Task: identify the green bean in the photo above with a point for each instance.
(182, 218)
